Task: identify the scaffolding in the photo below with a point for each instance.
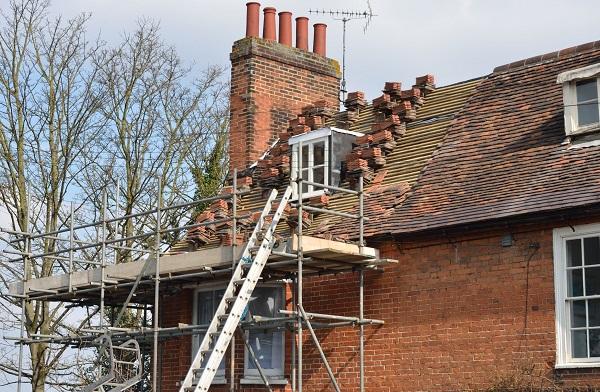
(101, 282)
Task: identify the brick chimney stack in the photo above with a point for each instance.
(271, 81)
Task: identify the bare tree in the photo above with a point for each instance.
(48, 115)
(165, 123)
(76, 117)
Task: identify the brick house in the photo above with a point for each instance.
(486, 193)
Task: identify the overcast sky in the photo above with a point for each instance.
(453, 39)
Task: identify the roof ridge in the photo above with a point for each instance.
(573, 50)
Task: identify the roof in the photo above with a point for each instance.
(408, 151)
(506, 154)
(475, 151)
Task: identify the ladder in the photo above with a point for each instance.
(124, 369)
(232, 307)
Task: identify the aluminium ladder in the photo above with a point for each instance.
(232, 307)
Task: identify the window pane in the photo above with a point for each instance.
(591, 250)
(205, 307)
(319, 175)
(575, 282)
(318, 153)
(587, 90)
(305, 187)
(592, 281)
(578, 314)
(594, 312)
(266, 302)
(573, 253)
(594, 342)
(579, 344)
(267, 348)
(587, 113)
(304, 156)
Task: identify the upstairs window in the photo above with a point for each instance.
(317, 157)
(581, 91)
(587, 102)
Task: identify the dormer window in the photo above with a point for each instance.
(587, 102)
(581, 89)
(317, 157)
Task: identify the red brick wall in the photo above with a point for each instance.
(270, 83)
(175, 353)
(460, 314)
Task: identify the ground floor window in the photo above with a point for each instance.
(206, 303)
(577, 286)
(268, 345)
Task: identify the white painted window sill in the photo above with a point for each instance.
(578, 365)
(259, 381)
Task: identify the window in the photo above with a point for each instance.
(206, 303)
(577, 284)
(587, 102)
(581, 89)
(318, 157)
(315, 162)
(268, 345)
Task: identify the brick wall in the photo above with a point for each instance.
(460, 314)
(270, 83)
(175, 353)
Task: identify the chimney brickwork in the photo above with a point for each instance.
(270, 83)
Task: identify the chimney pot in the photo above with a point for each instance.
(285, 28)
(320, 39)
(269, 24)
(302, 32)
(252, 16)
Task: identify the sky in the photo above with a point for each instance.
(452, 39)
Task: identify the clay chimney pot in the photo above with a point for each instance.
(269, 24)
(320, 39)
(302, 32)
(252, 17)
(285, 28)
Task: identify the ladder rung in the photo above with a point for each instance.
(222, 317)
(124, 362)
(239, 282)
(230, 300)
(124, 348)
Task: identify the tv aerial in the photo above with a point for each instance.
(346, 16)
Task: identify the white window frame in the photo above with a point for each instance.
(569, 81)
(220, 374)
(296, 154)
(311, 138)
(562, 302)
(252, 375)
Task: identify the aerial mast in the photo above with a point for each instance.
(345, 16)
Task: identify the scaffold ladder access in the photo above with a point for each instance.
(235, 299)
(124, 366)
